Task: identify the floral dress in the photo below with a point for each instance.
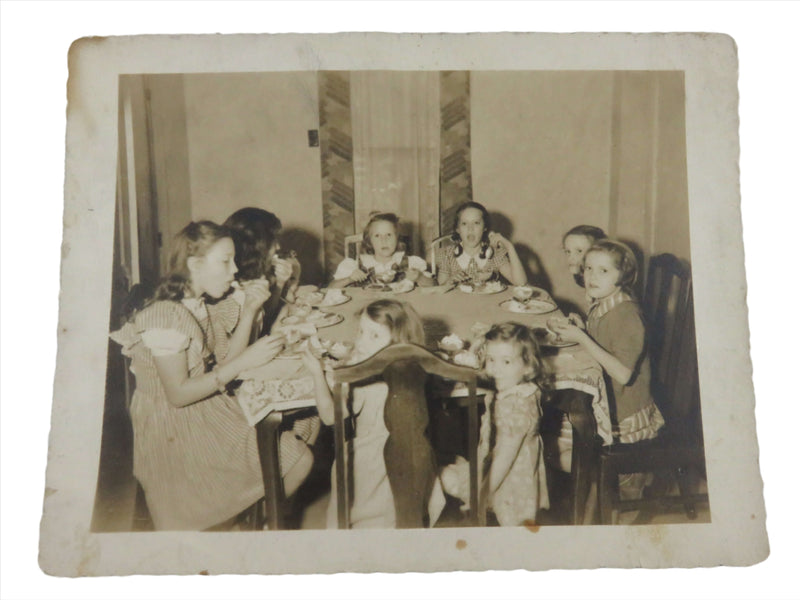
(516, 412)
(198, 464)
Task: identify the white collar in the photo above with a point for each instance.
(368, 260)
(464, 259)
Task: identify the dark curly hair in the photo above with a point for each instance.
(486, 251)
(254, 232)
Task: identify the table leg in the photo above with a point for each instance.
(268, 438)
(478, 516)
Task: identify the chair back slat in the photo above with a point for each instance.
(400, 366)
(670, 319)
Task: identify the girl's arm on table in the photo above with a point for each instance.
(183, 390)
(610, 363)
(321, 389)
(513, 271)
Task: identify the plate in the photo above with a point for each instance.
(400, 287)
(494, 287)
(545, 337)
(531, 307)
(344, 299)
(316, 317)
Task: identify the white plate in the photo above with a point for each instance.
(490, 288)
(531, 307)
(545, 337)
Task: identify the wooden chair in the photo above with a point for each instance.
(403, 367)
(352, 245)
(436, 251)
(679, 445)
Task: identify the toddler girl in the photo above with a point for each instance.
(576, 242)
(393, 463)
(479, 254)
(383, 259)
(510, 449)
(615, 336)
(194, 453)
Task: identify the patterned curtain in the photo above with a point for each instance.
(396, 156)
(456, 177)
(336, 156)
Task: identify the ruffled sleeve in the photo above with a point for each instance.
(127, 337)
(165, 342)
(415, 262)
(345, 268)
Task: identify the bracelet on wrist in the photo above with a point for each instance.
(218, 380)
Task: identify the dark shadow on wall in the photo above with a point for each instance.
(534, 269)
(307, 245)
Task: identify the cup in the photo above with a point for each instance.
(523, 293)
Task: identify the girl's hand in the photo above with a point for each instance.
(256, 293)
(497, 240)
(358, 276)
(566, 330)
(576, 320)
(413, 275)
(283, 270)
(263, 351)
(312, 363)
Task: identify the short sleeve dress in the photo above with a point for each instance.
(616, 324)
(198, 464)
(400, 263)
(517, 412)
(472, 268)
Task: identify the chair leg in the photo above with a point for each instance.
(682, 476)
(608, 494)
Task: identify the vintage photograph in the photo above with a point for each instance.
(408, 300)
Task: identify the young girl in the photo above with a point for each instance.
(194, 453)
(577, 242)
(393, 473)
(479, 254)
(255, 235)
(510, 448)
(615, 336)
(383, 258)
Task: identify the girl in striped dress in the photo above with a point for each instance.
(194, 453)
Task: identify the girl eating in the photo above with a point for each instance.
(479, 254)
(615, 337)
(391, 477)
(383, 258)
(510, 455)
(194, 453)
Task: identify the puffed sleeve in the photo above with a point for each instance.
(516, 414)
(415, 262)
(165, 342)
(345, 268)
(501, 257)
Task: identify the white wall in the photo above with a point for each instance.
(248, 146)
(551, 150)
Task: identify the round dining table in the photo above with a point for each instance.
(446, 311)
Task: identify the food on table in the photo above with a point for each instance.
(555, 323)
(466, 359)
(451, 343)
(490, 287)
(532, 306)
(304, 290)
(312, 298)
(333, 297)
(300, 310)
(523, 293)
(340, 350)
(386, 276)
(401, 287)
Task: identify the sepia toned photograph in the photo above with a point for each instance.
(391, 307)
